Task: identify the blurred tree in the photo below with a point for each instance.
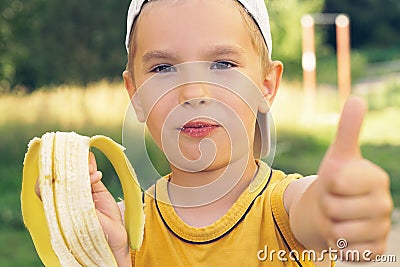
(373, 23)
(51, 42)
(8, 50)
(46, 42)
(285, 19)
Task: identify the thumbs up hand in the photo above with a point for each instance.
(352, 193)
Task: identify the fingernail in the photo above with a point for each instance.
(99, 174)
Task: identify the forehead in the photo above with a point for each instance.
(191, 23)
(201, 7)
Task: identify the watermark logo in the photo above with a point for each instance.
(341, 253)
(341, 243)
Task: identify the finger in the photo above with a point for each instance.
(346, 145)
(95, 177)
(338, 208)
(358, 177)
(97, 185)
(92, 163)
(105, 203)
(359, 231)
(115, 232)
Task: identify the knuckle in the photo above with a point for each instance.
(330, 207)
(339, 185)
(387, 206)
(381, 230)
(385, 181)
(382, 178)
(383, 204)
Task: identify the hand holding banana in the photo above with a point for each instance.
(109, 216)
(67, 225)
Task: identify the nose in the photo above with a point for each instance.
(194, 95)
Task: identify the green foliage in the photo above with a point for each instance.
(16, 249)
(386, 97)
(388, 53)
(285, 19)
(373, 23)
(327, 66)
(53, 42)
(76, 42)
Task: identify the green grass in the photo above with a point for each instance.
(366, 63)
(17, 249)
(99, 109)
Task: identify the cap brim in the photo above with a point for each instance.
(262, 137)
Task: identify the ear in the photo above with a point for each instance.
(133, 96)
(271, 83)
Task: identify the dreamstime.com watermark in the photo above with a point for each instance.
(333, 254)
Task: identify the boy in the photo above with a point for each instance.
(263, 210)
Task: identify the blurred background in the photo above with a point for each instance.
(61, 65)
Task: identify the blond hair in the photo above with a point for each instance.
(255, 33)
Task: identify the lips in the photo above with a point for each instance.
(198, 129)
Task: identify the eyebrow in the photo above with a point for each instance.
(224, 50)
(157, 54)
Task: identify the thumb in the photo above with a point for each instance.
(346, 146)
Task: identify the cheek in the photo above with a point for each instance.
(156, 119)
(247, 117)
(245, 111)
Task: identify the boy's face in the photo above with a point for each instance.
(174, 32)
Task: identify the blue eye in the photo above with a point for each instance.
(163, 68)
(222, 65)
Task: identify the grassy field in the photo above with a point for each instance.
(303, 134)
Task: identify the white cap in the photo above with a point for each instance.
(258, 11)
(255, 8)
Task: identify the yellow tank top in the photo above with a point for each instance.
(252, 233)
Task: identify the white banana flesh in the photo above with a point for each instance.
(46, 184)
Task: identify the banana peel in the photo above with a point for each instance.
(53, 241)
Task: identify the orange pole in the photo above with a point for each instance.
(309, 61)
(343, 57)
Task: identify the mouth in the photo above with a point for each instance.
(198, 129)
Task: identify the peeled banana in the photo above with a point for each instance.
(63, 224)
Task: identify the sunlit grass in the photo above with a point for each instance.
(290, 112)
(100, 104)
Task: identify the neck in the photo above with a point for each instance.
(210, 210)
(204, 187)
